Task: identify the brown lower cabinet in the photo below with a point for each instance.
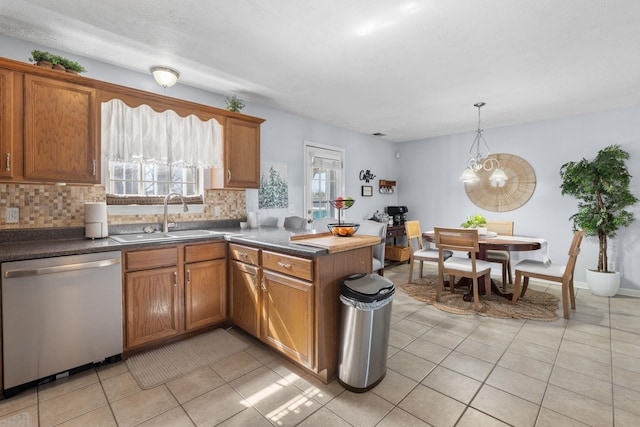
(173, 290)
(292, 303)
(287, 310)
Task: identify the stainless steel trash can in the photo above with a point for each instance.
(364, 332)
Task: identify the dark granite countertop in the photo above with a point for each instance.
(42, 243)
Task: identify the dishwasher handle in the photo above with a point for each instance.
(26, 272)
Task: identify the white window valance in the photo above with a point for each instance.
(143, 135)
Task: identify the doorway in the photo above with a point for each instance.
(324, 170)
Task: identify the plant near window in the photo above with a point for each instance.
(243, 221)
(48, 60)
(40, 57)
(602, 188)
(234, 104)
(72, 65)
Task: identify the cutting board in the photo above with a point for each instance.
(335, 244)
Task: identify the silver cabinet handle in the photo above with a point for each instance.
(283, 265)
(93, 167)
(228, 175)
(188, 277)
(26, 272)
(175, 279)
(263, 286)
(8, 166)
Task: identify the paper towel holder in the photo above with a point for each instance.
(95, 220)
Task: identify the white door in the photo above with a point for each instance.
(324, 168)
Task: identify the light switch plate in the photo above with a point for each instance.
(13, 215)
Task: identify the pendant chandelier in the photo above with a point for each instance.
(479, 159)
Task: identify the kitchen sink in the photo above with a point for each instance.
(159, 236)
(193, 233)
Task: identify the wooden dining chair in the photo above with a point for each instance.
(503, 228)
(423, 252)
(464, 240)
(527, 268)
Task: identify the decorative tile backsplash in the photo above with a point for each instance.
(49, 205)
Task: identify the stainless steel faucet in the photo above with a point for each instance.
(165, 224)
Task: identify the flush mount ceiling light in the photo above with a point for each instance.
(479, 159)
(165, 76)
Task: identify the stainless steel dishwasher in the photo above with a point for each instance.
(59, 313)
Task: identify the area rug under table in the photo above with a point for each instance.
(164, 364)
(535, 305)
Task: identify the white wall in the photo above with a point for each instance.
(434, 194)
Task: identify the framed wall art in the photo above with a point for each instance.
(367, 190)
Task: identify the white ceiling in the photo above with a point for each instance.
(408, 69)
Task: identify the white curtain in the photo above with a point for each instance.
(143, 135)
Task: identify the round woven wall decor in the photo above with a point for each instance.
(516, 191)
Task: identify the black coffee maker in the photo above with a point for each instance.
(398, 213)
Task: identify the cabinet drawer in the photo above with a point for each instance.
(204, 252)
(287, 264)
(244, 254)
(151, 258)
(396, 231)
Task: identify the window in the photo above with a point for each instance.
(152, 179)
(151, 154)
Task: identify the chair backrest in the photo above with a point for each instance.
(295, 222)
(412, 230)
(504, 228)
(375, 228)
(574, 250)
(457, 239)
(270, 221)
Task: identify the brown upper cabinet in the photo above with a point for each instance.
(61, 131)
(50, 127)
(10, 124)
(241, 153)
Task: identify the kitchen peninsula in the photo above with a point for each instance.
(284, 293)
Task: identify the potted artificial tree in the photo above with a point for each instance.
(602, 188)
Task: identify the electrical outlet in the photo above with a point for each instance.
(13, 215)
(292, 209)
(216, 211)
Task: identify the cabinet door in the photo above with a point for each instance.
(287, 310)
(244, 297)
(10, 124)
(241, 154)
(205, 293)
(151, 305)
(61, 131)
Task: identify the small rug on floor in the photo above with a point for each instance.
(167, 363)
(535, 305)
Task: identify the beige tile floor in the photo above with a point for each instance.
(443, 370)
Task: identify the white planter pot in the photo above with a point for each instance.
(603, 284)
(482, 231)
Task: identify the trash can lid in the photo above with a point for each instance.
(367, 287)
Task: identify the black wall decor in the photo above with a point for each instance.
(366, 175)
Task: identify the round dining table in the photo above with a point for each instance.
(492, 242)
